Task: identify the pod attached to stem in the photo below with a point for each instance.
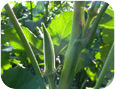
(49, 57)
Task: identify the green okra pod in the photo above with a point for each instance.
(49, 57)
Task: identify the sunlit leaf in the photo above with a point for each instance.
(110, 12)
(98, 55)
(92, 75)
(107, 20)
(5, 63)
(60, 29)
(11, 36)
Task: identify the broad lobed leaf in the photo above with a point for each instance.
(60, 29)
(19, 78)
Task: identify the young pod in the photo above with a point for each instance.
(49, 56)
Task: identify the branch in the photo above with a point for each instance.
(92, 12)
(91, 34)
(25, 42)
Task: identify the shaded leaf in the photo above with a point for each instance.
(7, 48)
(39, 8)
(108, 36)
(31, 25)
(20, 78)
(108, 39)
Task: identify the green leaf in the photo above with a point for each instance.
(108, 39)
(31, 25)
(11, 36)
(20, 78)
(27, 4)
(98, 55)
(7, 59)
(5, 63)
(91, 74)
(110, 12)
(107, 20)
(108, 36)
(60, 29)
(39, 8)
(104, 53)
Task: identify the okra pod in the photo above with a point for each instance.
(49, 57)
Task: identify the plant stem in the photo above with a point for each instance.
(77, 22)
(86, 26)
(74, 47)
(90, 36)
(46, 7)
(92, 12)
(25, 42)
(68, 71)
(31, 10)
(109, 59)
(51, 81)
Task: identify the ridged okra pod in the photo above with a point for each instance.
(49, 57)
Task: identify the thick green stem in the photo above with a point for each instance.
(25, 42)
(77, 22)
(74, 47)
(51, 81)
(68, 71)
(90, 36)
(109, 59)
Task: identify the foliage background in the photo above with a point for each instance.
(57, 16)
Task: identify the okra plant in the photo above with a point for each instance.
(64, 49)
